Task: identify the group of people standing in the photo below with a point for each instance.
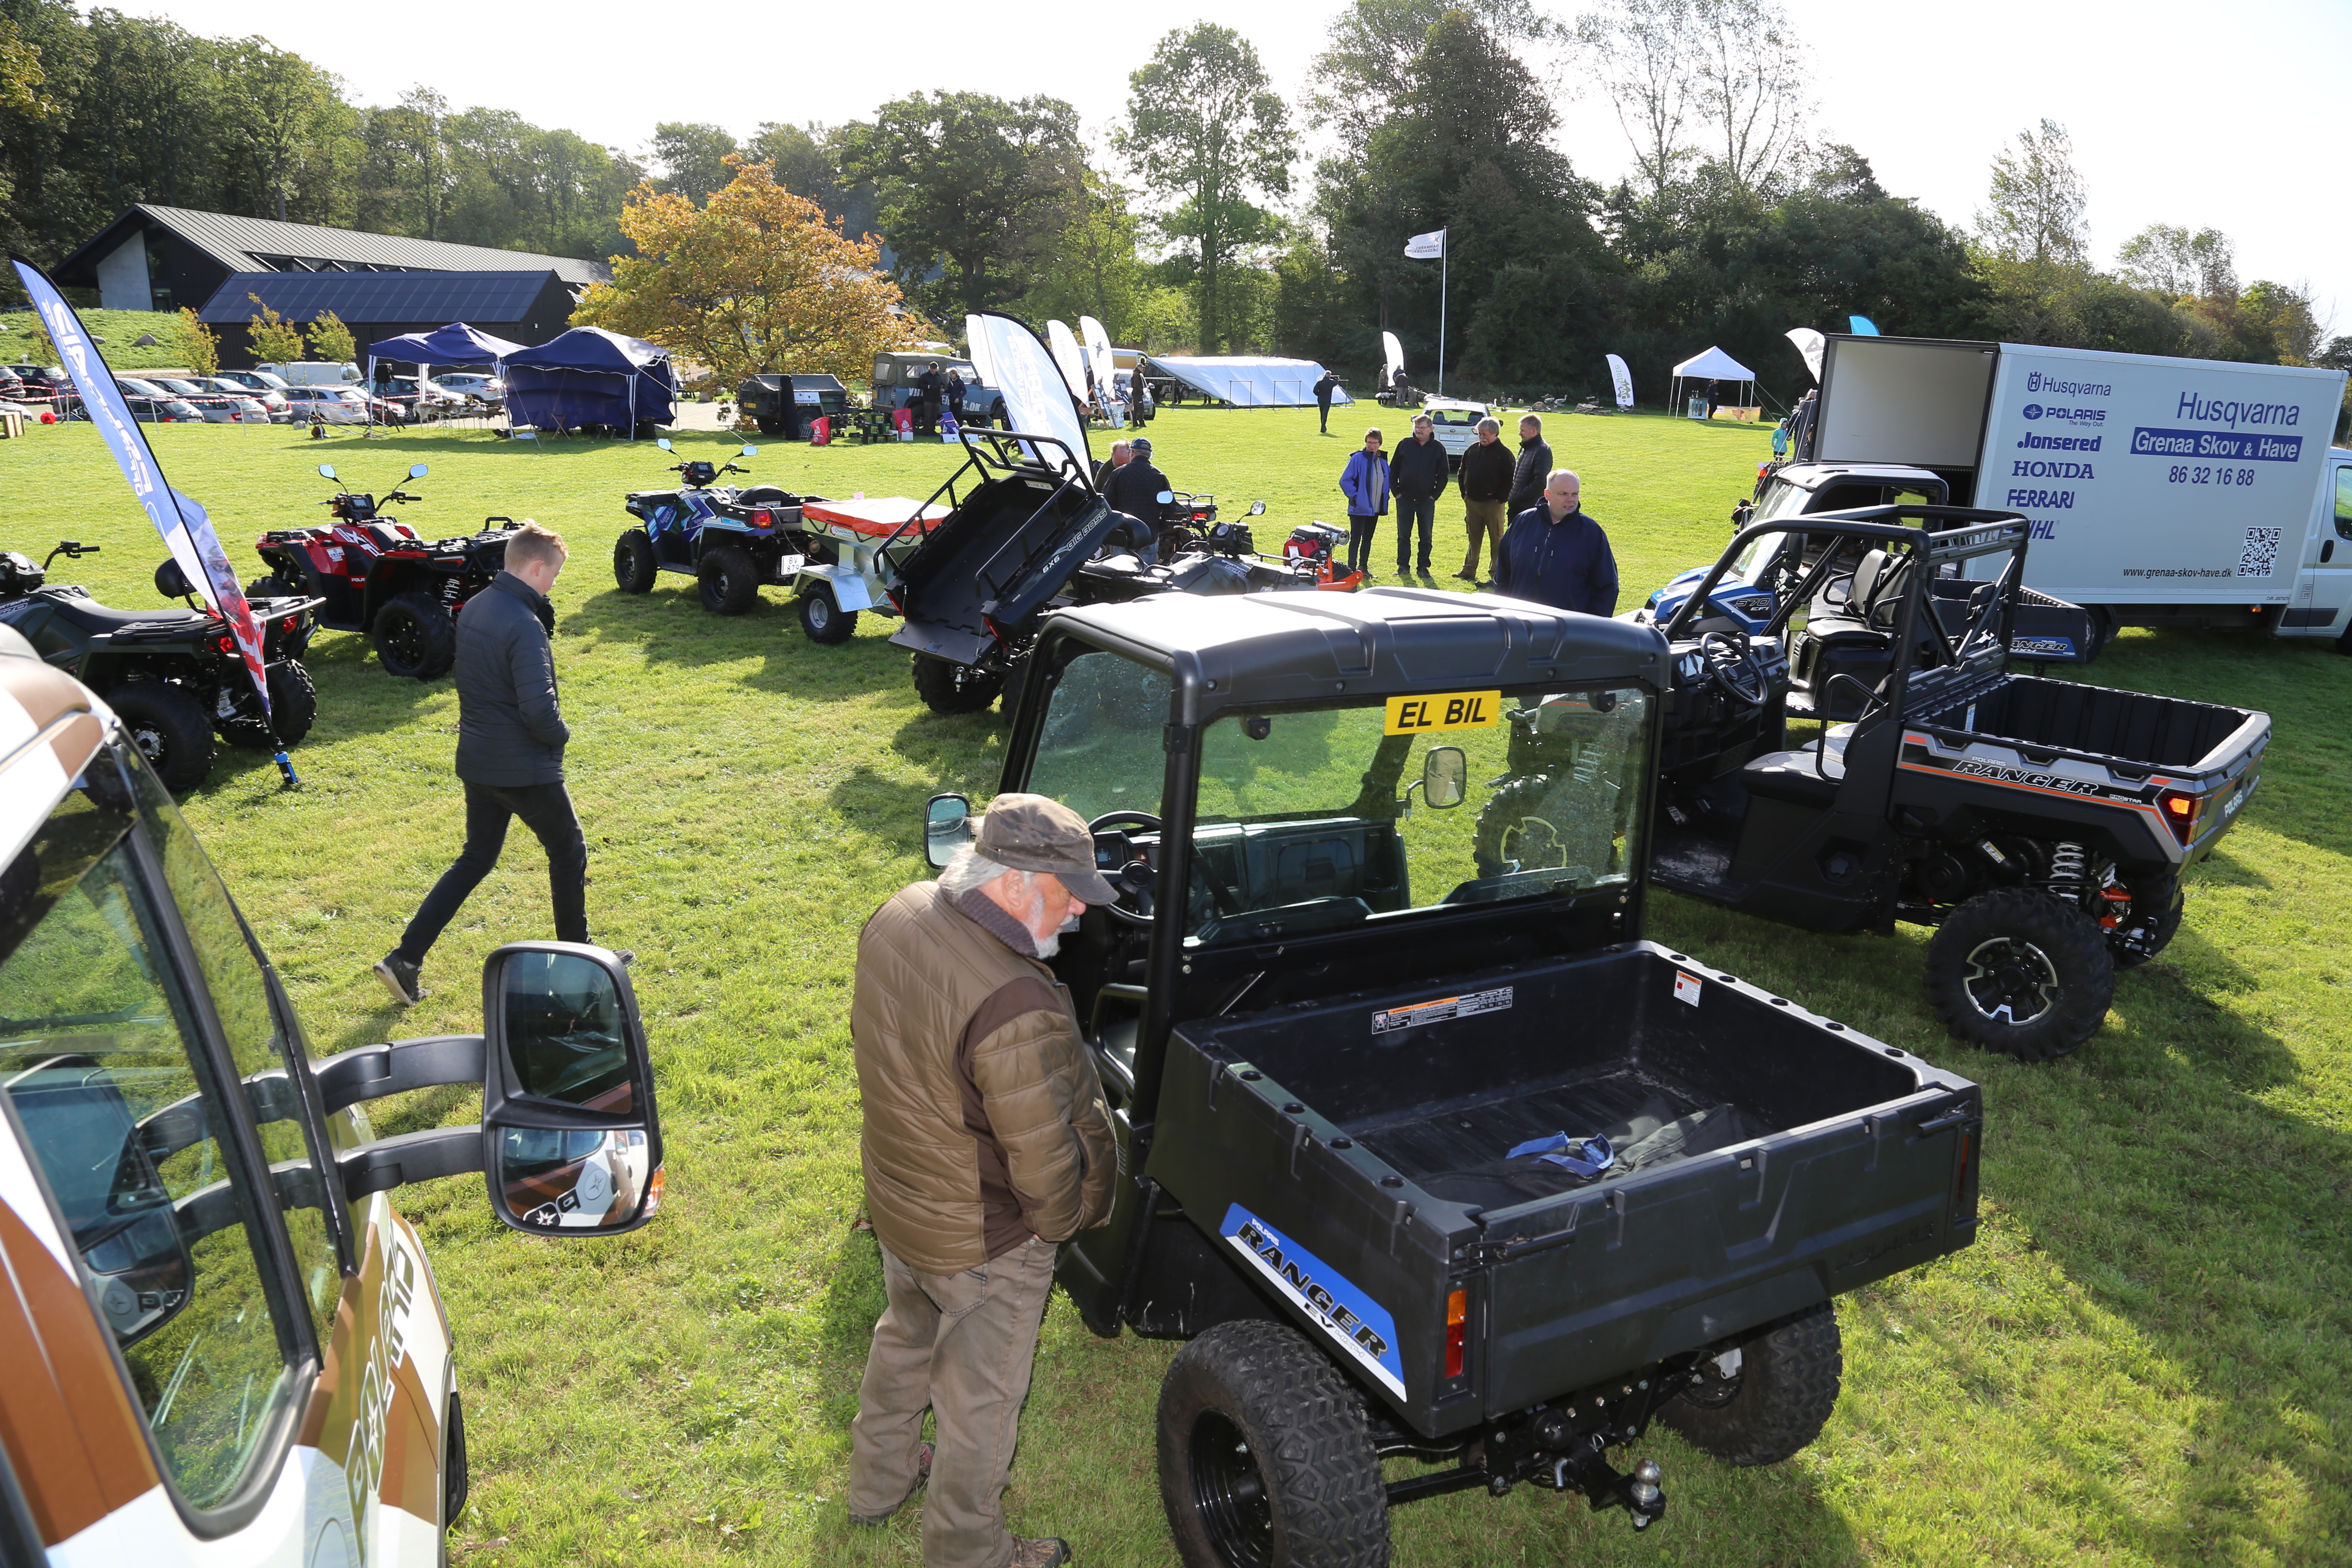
(1525, 514)
(935, 391)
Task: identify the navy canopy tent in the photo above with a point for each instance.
(456, 344)
(590, 376)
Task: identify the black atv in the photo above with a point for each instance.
(730, 540)
(173, 675)
(374, 575)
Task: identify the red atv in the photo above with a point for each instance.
(380, 577)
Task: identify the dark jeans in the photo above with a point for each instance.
(1325, 409)
(546, 810)
(1409, 512)
(1361, 530)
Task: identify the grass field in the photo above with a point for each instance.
(2144, 1359)
(121, 329)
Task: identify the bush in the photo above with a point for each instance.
(332, 341)
(276, 340)
(199, 343)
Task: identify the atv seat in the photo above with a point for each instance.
(91, 617)
(1806, 778)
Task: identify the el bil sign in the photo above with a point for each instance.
(1443, 711)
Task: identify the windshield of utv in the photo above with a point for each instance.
(1322, 811)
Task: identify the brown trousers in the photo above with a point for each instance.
(1485, 520)
(961, 1344)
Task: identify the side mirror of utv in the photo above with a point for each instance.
(1257, 508)
(1444, 777)
(570, 1141)
(417, 470)
(947, 827)
(664, 444)
(326, 471)
(171, 581)
(1165, 498)
(748, 452)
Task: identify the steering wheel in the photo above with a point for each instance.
(1127, 886)
(1733, 664)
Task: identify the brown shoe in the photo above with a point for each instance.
(922, 1479)
(1049, 1552)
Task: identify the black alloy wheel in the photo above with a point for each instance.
(1229, 1493)
(293, 708)
(2019, 972)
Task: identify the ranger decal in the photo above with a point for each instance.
(1362, 1325)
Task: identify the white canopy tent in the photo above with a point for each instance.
(1712, 365)
(1247, 380)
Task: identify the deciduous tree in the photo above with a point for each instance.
(756, 279)
(276, 340)
(197, 342)
(693, 157)
(332, 341)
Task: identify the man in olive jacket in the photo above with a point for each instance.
(510, 741)
(986, 1144)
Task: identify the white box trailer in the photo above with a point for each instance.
(2162, 492)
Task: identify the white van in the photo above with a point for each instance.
(314, 373)
(223, 1344)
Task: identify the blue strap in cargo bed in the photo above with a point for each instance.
(1582, 1156)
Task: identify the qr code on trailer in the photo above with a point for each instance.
(2260, 557)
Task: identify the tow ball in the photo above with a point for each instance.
(1641, 1492)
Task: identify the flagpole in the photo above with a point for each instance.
(1445, 271)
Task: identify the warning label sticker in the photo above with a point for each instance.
(1442, 1009)
(1686, 987)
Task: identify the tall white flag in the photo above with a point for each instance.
(1425, 247)
(1624, 380)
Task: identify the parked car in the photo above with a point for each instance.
(232, 406)
(313, 372)
(326, 406)
(270, 389)
(1453, 424)
(150, 403)
(481, 388)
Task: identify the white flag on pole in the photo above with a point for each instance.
(1427, 246)
(1624, 380)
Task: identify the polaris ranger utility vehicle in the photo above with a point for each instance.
(173, 676)
(728, 540)
(1428, 1160)
(373, 575)
(1027, 532)
(2041, 825)
(224, 1347)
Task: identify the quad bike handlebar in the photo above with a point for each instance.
(71, 549)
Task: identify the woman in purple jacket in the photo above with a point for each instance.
(1365, 482)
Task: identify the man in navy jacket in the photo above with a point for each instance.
(1556, 556)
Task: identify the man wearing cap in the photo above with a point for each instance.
(1134, 488)
(986, 1144)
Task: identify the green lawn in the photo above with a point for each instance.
(2144, 1359)
(121, 329)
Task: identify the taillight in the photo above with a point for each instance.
(227, 645)
(1457, 1331)
(761, 520)
(2180, 810)
(290, 623)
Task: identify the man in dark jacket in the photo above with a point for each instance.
(1134, 488)
(1486, 496)
(1556, 556)
(1534, 467)
(1323, 391)
(1417, 476)
(510, 741)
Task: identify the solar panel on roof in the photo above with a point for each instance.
(366, 297)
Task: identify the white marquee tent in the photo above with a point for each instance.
(1712, 365)
(1245, 381)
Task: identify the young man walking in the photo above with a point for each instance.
(510, 741)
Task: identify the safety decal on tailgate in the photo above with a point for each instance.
(1686, 987)
(1440, 1010)
(1362, 1325)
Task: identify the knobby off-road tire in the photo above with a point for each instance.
(730, 582)
(1264, 1458)
(293, 706)
(946, 687)
(1510, 828)
(1777, 1401)
(415, 637)
(632, 562)
(823, 620)
(2017, 972)
(170, 728)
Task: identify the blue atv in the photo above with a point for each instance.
(730, 540)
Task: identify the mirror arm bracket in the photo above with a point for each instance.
(372, 1072)
(391, 1163)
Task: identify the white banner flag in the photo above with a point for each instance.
(1425, 247)
(1624, 380)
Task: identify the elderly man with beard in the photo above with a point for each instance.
(986, 1144)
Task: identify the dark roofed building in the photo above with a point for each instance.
(162, 258)
(525, 308)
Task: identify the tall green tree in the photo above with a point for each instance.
(693, 158)
(1208, 134)
(972, 190)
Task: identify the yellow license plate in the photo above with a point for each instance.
(1444, 710)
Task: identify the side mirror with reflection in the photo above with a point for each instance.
(1444, 777)
(417, 470)
(664, 444)
(326, 471)
(571, 1142)
(947, 827)
(748, 452)
(1257, 508)
(1165, 498)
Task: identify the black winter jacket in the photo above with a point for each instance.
(1135, 490)
(509, 728)
(1418, 469)
(1486, 472)
(1533, 472)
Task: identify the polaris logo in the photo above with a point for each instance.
(1359, 1325)
(2046, 648)
(2072, 415)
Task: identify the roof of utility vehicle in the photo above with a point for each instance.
(50, 726)
(1813, 475)
(1244, 648)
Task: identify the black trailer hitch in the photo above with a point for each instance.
(1547, 1447)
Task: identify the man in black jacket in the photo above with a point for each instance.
(510, 741)
(1534, 469)
(1134, 488)
(1323, 391)
(1417, 476)
(1486, 494)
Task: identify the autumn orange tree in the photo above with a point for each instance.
(755, 280)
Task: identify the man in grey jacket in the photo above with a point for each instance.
(510, 740)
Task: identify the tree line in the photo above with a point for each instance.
(1200, 224)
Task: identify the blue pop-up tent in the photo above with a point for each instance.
(590, 376)
(456, 344)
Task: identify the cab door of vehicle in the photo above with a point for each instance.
(2325, 588)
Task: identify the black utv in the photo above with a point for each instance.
(173, 675)
(1431, 1160)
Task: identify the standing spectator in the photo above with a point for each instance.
(510, 741)
(1323, 391)
(1365, 482)
(1780, 440)
(1134, 487)
(929, 387)
(955, 398)
(1556, 555)
(1120, 452)
(1535, 462)
(1713, 397)
(986, 1144)
(1417, 474)
(1486, 496)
